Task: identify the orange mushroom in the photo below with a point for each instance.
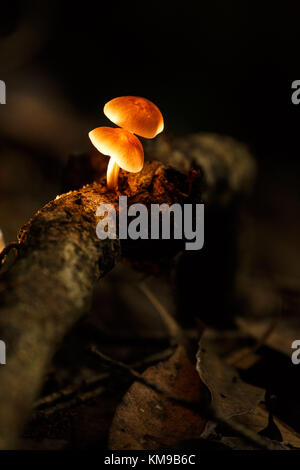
(124, 149)
(138, 115)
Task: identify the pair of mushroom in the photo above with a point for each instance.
(134, 115)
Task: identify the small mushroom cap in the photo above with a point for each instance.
(136, 114)
(120, 144)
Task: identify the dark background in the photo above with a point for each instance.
(210, 65)
(216, 66)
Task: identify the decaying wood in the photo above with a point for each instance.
(50, 284)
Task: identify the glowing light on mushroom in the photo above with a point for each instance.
(124, 149)
(2, 242)
(138, 115)
(135, 115)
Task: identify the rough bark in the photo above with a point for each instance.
(50, 284)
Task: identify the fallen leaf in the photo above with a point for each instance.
(289, 435)
(230, 395)
(258, 421)
(234, 399)
(146, 419)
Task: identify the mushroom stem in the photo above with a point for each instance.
(112, 174)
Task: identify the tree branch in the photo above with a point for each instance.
(50, 284)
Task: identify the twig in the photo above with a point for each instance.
(260, 341)
(246, 433)
(84, 396)
(139, 377)
(153, 358)
(80, 398)
(175, 331)
(233, 359)
(266, 335)
(48, 404)
(69, 391)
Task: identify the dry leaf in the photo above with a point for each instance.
(145, 419)
(236, 399)
(230, 395)
(258, 421)
(289, 436)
